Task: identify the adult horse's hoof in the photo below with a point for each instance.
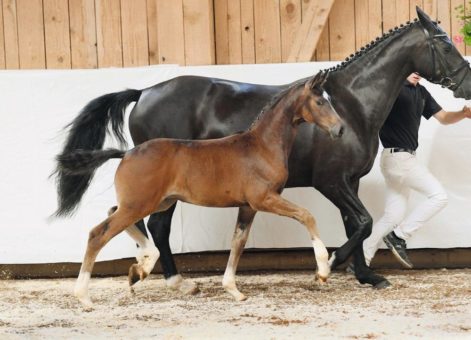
(382, 284)
(186, 287)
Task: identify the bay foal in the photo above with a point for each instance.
(246, 170)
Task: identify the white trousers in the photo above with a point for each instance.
(402, 172)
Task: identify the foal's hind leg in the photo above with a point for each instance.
(241, 233)
(147, 254)
(274, 203)
(98, 237)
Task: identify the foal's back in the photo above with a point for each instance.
(213, 173)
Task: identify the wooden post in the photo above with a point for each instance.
(310, 31)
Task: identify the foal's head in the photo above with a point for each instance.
(317, 107)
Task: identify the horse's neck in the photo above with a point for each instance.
(276, 128)
(367, 88)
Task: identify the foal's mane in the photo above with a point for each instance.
(277, 98)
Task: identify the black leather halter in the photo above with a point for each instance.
(446, 78)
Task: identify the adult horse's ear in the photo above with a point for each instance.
(425, 19)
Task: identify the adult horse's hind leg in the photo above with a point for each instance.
(241, 233)
(276, 204)
(159, 227)
(146, 257)
(98, 238)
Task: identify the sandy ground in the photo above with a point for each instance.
(431, 304)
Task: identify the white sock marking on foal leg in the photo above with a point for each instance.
(322, 257)
(81, 289)
(147, 254)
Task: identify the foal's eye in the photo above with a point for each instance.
(320, 102)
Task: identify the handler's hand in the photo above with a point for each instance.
(467, 111)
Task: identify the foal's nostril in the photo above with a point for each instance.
(341, 130)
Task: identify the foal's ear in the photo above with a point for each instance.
(425, 20)
(316, 82)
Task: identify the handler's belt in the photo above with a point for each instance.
(393, 150)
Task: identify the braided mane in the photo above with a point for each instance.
(365, 49)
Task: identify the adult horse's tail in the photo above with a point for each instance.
(81, 164)
(87, 132)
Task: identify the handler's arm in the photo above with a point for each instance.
(452, 117)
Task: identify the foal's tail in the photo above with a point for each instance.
(81, 164)
(87, 132)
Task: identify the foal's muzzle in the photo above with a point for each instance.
(337, 131)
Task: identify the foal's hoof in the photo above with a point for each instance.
(136, 273)
(87, 304)
(238, 296)
(382, 284)
(321, 279)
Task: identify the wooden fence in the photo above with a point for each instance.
(38, 34)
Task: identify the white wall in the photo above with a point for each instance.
(36, 105)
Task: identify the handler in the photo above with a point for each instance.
(403, 172)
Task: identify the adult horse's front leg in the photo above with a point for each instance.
(241, 233)
(159, 227)
(358, 224)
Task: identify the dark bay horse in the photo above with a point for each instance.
(362, 90)
(246, 170)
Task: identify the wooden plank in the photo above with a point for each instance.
(457, 24)
(152, 32)
(221, 31)
(362, 34)
(443, 15)
(170, 19)
(31, 34)
(253, 259)
(368, 23)
(290, 12)
(234, 31)
(430, 7)
(109, 40)
(2, 39)
(248, 31)
(323, 45)
(389, 15)
(342, 36)
(198, 23)
(134, 33)
(57, 34)
(375, 23)
(402, 12)
(310, 31)
(267, 31)
(12, 56)
(83, 34)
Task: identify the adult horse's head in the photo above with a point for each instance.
(318, 108)
(445, 64)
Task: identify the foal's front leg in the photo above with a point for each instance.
(274, 203)
(241, 233)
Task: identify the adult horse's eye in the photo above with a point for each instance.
(447, 49)
(320, 102)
